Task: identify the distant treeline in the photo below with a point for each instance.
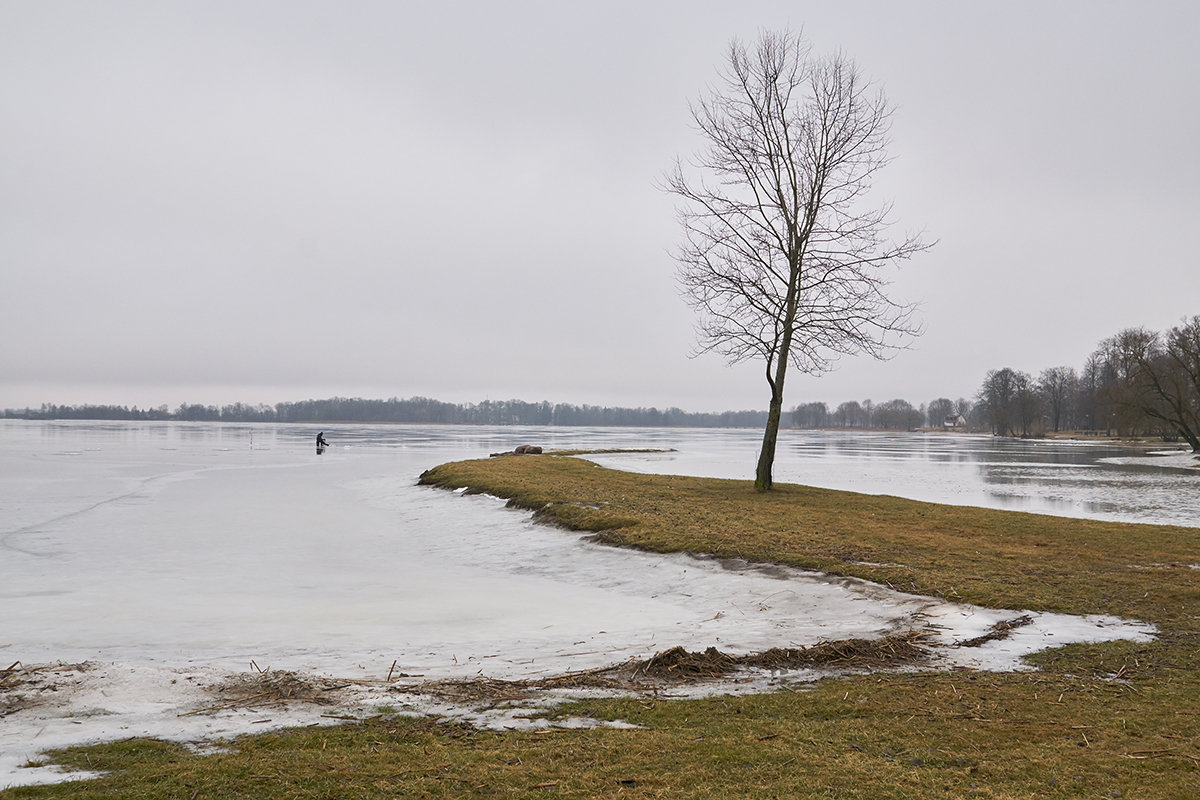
(412, 410)
(893, 415)
(1138, 382)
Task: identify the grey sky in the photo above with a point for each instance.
(262, 201)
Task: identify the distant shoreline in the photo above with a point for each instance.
(1061, 436)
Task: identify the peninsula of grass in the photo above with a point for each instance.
(1119, 719)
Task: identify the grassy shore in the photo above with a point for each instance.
(1094, 721)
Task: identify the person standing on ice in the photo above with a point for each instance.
(321, 443)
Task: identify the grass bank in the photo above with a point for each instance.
(1112, 720)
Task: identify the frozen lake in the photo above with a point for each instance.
(168, 554)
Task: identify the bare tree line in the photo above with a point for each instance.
(1136, 383)
(898, 414)
(413, 410)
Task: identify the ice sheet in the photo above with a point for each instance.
(167, 559)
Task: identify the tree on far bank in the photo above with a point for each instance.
(999, 398)
(1028, 405)
(1162, 377)
(1058, 387)
(1088, 400)
(849, 415)
(938, 411)
(810, 415)
(1175, 377)
(898, 415)
(781, 259)
(1122, 397)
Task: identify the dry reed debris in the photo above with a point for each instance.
(269, 688)
(679, 666)
(23, 687)
(1001, 630)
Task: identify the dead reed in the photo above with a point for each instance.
(678, 666)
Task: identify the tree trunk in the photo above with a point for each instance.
(766, 457)
(763, 480)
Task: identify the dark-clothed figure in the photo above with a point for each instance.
(321, 443)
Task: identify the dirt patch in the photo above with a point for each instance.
(271, 688)
(678, 666)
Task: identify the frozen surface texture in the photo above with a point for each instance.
(143, 565)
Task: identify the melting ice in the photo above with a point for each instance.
(167, 556)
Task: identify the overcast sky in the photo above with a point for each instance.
(262, 201)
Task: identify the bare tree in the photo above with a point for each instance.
(898, 415)
(849, 415)
(1123, 388)
(939, 411)
(810, 415)
(1177, 381)
(1058, 386)
(1028, 405)
(1165, 379)
(781, 258)
(1093, 409)
(1005, 398)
